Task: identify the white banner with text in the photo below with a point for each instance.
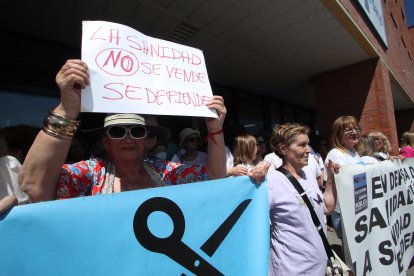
(377, 212)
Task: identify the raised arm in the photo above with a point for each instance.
(40, 171)
(216, 160)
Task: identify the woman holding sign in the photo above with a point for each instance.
(296, 247)
(126, 141)
(345, 136)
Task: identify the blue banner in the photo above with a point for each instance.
(216, 227)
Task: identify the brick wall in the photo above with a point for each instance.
(411, 38)
(362, 90)
(399, 56)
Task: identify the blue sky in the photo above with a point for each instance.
(409, 12)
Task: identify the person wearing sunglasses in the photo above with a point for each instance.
(346, 133)
(189, 154)
(126, 140)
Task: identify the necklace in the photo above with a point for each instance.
(109, 179)
(154, 175)
(112, 172)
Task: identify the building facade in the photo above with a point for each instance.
(367, 89)
(273, 61)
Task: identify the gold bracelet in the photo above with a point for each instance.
(58, 126)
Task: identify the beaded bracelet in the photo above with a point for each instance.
(58, 126)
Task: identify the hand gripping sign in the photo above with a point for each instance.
(134, 73)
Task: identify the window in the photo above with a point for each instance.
(28, 109)
(275, 115)
(250, 112)
(304, 117)
(288, 114)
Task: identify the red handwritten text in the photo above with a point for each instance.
(117, 62)
(119, 91)
(114, 36)
(156, 50)
(187, 98)
(184, 75)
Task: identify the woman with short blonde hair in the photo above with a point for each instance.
(296, 247)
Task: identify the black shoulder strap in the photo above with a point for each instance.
(314, 216)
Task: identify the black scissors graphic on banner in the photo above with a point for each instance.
(173, 246)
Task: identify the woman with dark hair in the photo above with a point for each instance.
(296, 247)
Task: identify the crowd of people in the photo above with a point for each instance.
(138, 153)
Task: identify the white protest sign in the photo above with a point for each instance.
(378, 215)
(134, 73)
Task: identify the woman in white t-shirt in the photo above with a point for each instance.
(345, 136)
